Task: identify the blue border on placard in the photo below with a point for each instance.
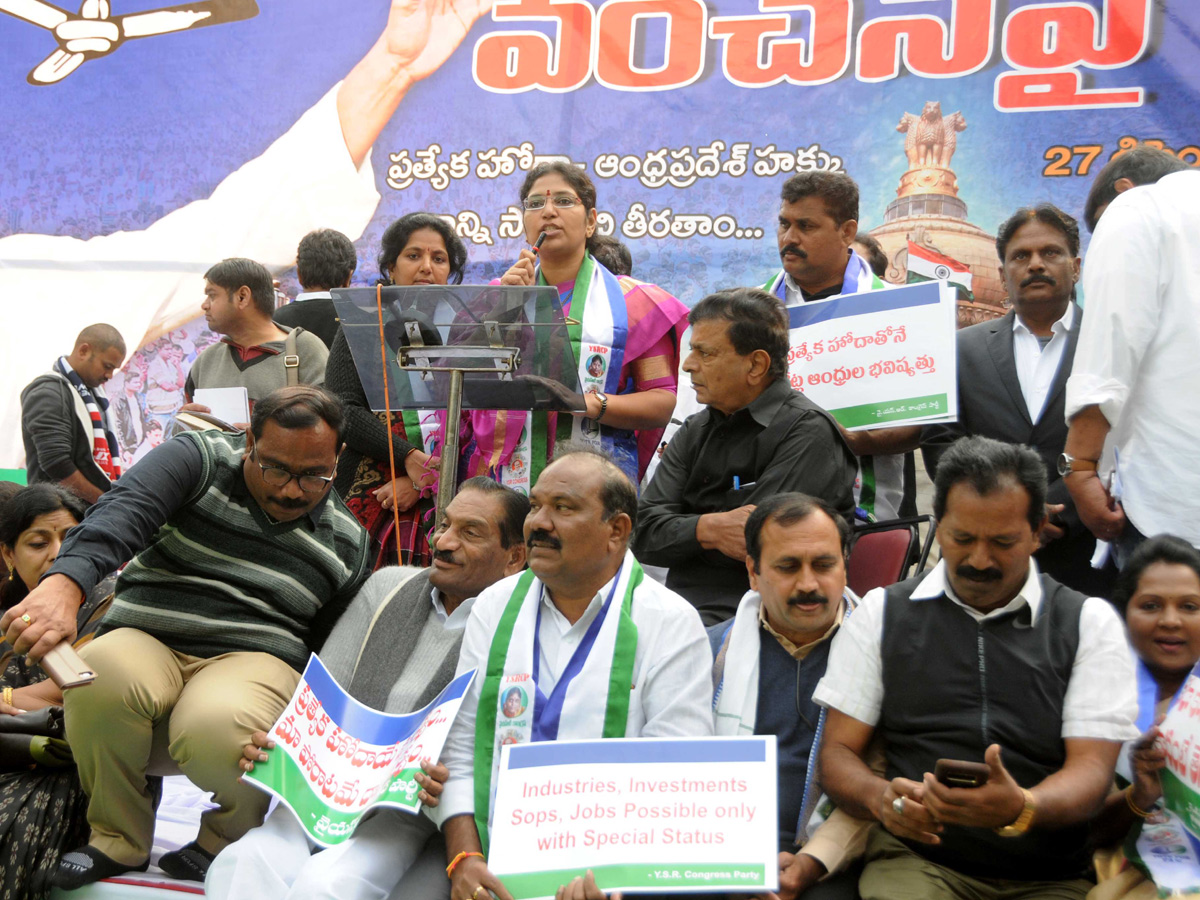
(641, 752)
(925, 293)
(368, 724)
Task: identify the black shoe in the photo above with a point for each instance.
(87, 865)
(188, 863)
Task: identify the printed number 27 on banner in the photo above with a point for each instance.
(1060, 158)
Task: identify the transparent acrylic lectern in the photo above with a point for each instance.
(456, 347)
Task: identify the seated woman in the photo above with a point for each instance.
(418, 248)
(631, 331)
(1158, 592)
(42, 807)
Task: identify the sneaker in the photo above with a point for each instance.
(87, 865)
(188, 863)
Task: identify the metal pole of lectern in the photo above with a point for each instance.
(456, 360)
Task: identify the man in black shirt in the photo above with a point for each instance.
(325, 260)
(757, 438)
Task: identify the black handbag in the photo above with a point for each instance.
(44, 722)
(19, 734)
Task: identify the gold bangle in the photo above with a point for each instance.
(8, 696)
(1133, 807)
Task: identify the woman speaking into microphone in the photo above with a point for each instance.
(624, 334)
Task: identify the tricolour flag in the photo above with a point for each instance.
(929, 265)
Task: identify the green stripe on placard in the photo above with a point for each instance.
(287, 780)
(17, 475)
(1181, 799)
(893, 410)
(637, 875)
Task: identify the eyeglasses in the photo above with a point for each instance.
(278, 476)
(561, 201)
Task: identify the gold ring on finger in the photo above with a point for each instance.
(26, 618)
(475, 893)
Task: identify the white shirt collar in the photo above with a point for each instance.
(312, 295)
(935, 585)
(592, 610)
(456, 620)
(1062, 326)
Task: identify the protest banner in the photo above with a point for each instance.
(878, 358)
(645, 815)
(335, 758)
(1167, 845)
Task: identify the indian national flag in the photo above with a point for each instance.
(929, 265)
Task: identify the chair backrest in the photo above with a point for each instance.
(879, 558)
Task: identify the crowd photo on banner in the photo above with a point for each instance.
(505, 449)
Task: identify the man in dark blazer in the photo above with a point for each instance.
(326, 259)
(1012, 376)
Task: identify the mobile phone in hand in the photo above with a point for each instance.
(958, 773)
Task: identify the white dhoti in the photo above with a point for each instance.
(391, 853)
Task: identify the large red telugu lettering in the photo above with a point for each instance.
(929, 46)
(514, 61)
(823, 57)
(1061, 36)
(683, 57)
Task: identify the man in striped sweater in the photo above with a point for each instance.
(240, 559)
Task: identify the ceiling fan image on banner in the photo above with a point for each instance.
(95, 32)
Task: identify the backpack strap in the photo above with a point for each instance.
(291, 359)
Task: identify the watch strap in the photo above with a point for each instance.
(1024, 821)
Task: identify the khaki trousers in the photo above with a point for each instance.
(894, 872)
(202, 710)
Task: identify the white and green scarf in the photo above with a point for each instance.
(586, 712)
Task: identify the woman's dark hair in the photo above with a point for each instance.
(18, 513)
(1164, 548)
(396, 237)
(572, 175)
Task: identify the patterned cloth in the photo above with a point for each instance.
(104, 442)
(43, 812)
(415, 522)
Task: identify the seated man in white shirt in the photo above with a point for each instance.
(982, 660)
(583, 509)
(395, 648)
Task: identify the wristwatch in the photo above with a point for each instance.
(1068, 464)
(603, 398)
(1023, 822)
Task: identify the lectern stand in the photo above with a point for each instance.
(460, 347)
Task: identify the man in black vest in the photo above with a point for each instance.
(982, 660)
(757, 438)
(395, 649)
(767, 662)
(1012, 376)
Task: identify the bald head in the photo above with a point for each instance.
(99, 351)
(100, 337)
